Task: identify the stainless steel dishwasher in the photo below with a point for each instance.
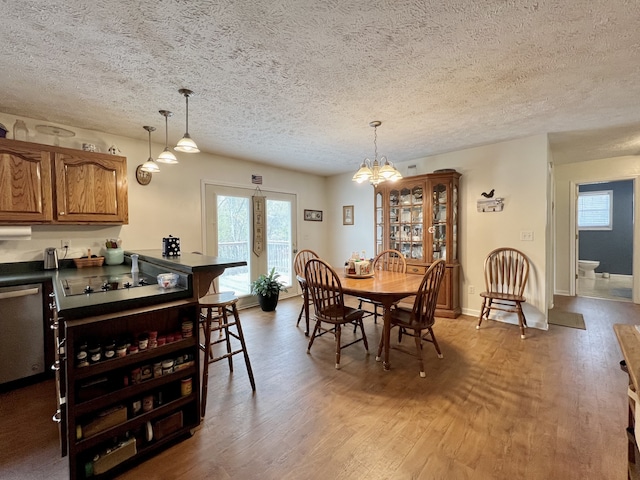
(21, 332)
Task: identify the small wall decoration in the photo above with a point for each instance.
(347, 215)
(313, 215)
(492, 205)
(258, 222)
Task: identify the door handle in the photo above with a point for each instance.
(19, 293)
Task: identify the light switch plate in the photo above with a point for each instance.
(526, 236)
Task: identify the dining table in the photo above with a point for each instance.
(386, 288)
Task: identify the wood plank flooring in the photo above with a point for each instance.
(496, 407)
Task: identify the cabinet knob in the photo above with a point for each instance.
(57, 417)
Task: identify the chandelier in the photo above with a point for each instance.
(372, 171)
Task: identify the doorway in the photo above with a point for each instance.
(228, 213)
(605, 239)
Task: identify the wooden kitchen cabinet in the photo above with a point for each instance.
(25, 183)
(46, 184)
(418, 216)
(90, 188)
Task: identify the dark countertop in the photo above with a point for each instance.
(85, 305)
(186, 262)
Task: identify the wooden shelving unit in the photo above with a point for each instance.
(109, 385)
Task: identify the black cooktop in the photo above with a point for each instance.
(104, 283)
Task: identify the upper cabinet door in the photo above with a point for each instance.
(25, 185)
(91, 188)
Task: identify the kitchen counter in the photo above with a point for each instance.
(200, 269)
(203, 267)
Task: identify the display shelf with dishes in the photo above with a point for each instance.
(418, 216)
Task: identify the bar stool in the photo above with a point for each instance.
(218, 308)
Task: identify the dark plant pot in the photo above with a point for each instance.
(268, 304)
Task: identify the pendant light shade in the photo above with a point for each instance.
(150, 166)
(167, 155)
(372, 171)
(186, 144)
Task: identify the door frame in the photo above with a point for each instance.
(250, 300)
(573, 232)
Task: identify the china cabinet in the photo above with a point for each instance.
(418, 216)
(42, 184)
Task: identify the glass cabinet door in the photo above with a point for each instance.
(406, 221)
(438, 229)
(379, 209)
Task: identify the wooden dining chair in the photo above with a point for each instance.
(325, 290)
(506, 271)
(421, 317)
(391, 261)
(299, 262)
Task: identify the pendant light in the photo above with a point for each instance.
(372, 171)
(150, 166)
(186, 144)
(167, 155)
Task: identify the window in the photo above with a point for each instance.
(594, 210)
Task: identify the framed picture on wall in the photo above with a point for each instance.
(313, 215)
(347, 215)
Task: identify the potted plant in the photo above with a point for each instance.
(268, 288)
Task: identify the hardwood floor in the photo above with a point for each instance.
(496, 407)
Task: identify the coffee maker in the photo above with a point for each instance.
(50, 258)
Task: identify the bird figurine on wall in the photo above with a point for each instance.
(488, 195)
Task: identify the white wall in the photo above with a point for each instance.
(171, 203)
(517, 170)
(566, 178)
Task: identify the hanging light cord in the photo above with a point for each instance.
(187, 97)
(375, 143)
(166, 132)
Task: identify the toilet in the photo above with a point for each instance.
(587, 268)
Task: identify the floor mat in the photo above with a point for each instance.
(621, 292)
(566, 319)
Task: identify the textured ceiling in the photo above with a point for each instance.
(295, 83)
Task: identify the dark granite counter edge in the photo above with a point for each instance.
(186, 262)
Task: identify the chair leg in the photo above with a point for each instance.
(521, 320)
(205, 364)
(300, 314)
(227, 339)
(306, 311)
(482, 313)
(364, 336)
(313, 335)
(435, 342)
(244, 347)
(418, 339)
(338, 334)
